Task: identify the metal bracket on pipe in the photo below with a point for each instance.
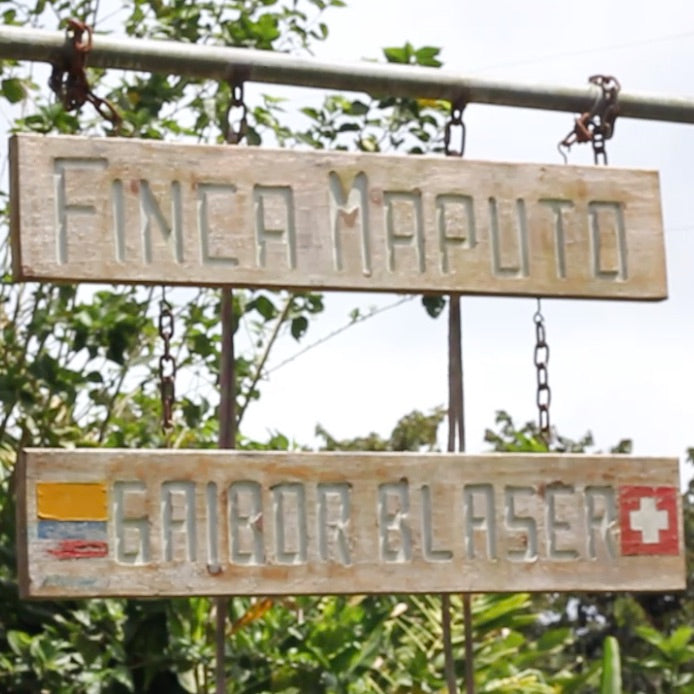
(223, 63)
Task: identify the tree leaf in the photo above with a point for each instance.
(397, 55)
(611, 680)
(427, 56)
(13, 90)
(299, 327)
(95, 377)
(263, 306)
(434, 304)
(358, 108)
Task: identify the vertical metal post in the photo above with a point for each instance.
(448, 644)
(469, 664)
(227, 439)
(456, 424)
(456, 415)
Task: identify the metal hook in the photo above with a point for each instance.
(232, 136)
(564, 155)
(78, 28)
(596, 125)
(456, 119)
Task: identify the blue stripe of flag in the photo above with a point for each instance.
(72, 530)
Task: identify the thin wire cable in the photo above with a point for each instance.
(96, 14)
(586, 51)
(258, 373)
(338, 331)
(105, 18)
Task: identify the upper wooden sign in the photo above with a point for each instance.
(114, 210)
(143, 523)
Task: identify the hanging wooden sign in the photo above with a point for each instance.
(144, 523)
(115, 210)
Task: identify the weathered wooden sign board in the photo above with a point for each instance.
(144, 523)
(115, 210)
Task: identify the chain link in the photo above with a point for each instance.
(541, 360)
(68, 78)
(455, 120)
(597, 125)
(167, 364)
(232, 135)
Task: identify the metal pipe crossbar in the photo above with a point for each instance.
(226, 63)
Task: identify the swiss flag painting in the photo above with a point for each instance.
(648, 520)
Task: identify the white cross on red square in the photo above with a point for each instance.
(648, 520)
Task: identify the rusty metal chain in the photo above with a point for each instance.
(541, 360)
(167, 364)
(455, 120)
(68, 78)
(597, 125)
(235, 136)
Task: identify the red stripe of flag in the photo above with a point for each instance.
(79, 549)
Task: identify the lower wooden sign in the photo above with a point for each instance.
(146, 523)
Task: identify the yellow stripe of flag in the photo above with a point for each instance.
(71, 501)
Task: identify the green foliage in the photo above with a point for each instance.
(528, 439)
(82, 652)
(413, 432)
(416, 662)
(669, 663)
(408, 54)
(378, 124)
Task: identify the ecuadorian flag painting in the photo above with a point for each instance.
(72, 516)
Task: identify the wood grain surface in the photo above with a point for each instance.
(116, 210)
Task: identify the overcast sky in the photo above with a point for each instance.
(618, 369)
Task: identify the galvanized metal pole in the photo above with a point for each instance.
(227, 439)
(225, 63)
